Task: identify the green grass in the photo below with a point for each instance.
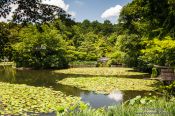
(106, 80)
(19, 99)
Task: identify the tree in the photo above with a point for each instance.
(107, 28)
(113, 38)
(85, 26)
(31, 11)
(88, 46)
(149, 18)
(130, 46)
(159, 52)
(142, 19)
(45, 49)
(96, 27)
(4, 40)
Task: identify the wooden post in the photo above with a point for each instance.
(166, 74)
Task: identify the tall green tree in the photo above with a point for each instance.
(149, 17)
(45, 49)
(142, 19)
(4, 40)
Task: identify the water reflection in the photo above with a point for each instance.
(116, 95)
(98, 100)
(49, 79)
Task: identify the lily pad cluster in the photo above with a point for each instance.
(109, 84)
(104, 81)
(102, 71)
(21, 99)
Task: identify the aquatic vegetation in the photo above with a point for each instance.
(20, 99)
(106, 80)
(102, 71)
(109, 84)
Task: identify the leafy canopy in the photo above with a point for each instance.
(45, 49)
(30, 11)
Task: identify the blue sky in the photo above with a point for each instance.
(93, 9)
(86, 9)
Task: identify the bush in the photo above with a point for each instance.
(40, 49)
(116, 58)
(160, 52)
(154, 72)
(167, 90)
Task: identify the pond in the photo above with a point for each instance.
(46, 78)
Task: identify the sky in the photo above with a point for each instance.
(89, 9)
(96, 9)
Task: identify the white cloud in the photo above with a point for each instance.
(59, 3)
(112, 12)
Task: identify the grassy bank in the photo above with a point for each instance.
(160, 107)
(20, 99)
(106, 80)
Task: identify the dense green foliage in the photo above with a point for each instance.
(144, 35)
(160, 51)
(141, 21)
(140, 38)
(53, 45)
(4, 39)
(40, 49)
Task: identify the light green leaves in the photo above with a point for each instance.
(159, 52)
(20, 99)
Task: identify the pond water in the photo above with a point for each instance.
(49, 79)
